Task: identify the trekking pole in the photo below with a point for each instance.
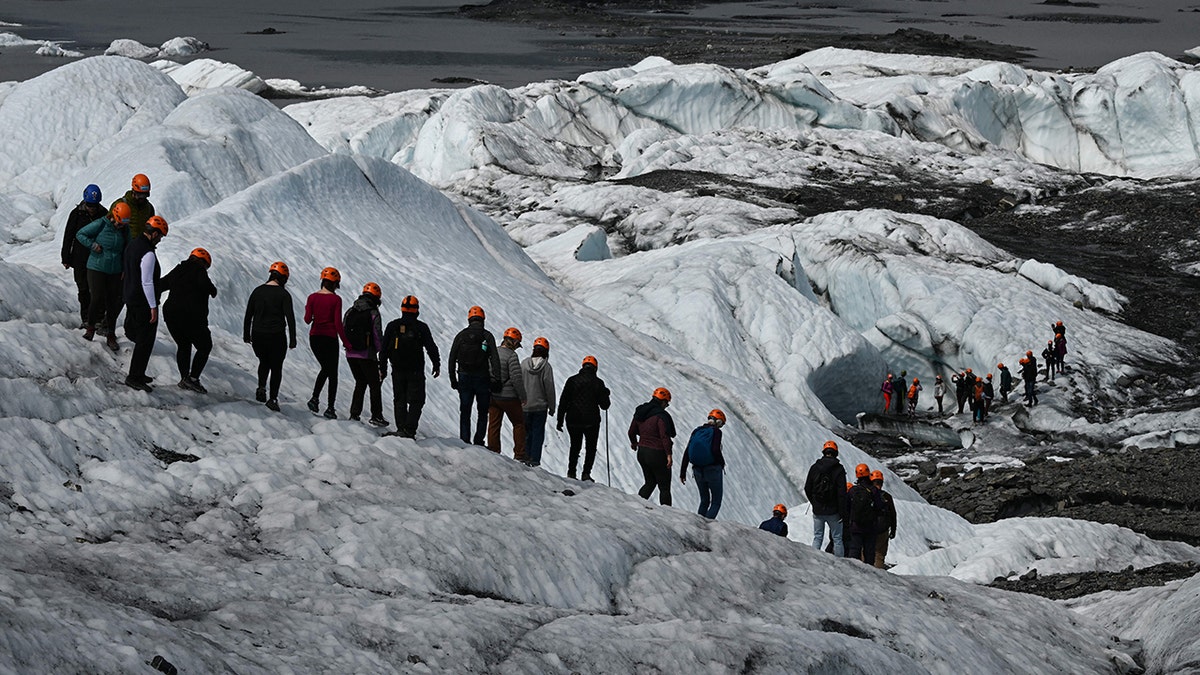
(607, 460)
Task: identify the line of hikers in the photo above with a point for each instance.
(977, 393)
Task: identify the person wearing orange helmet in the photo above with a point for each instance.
(364, 335)
(775, 524)
(939, 392)
(1029, 373)
(900, 392)
(914, 395)
(650, 434)
(106, 238)
(885, 525)
(826, 492)
(703, 451)
(270, 328)
(888, 388)
(864, 505)
(186, 315)
(508, 397)
(75, 255)
(1060, 351)
(584, 395)
(961, 389)
(1006, 383)
(474, 365)
(143, 285)
(539, 399)
(137, 198)
(405, 343)
(323, 312)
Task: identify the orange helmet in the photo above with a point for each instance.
(662, 394)
(830, 445)
(717, 414)
(541, 342)
(410, 305)
(1000, 365)
(279, 267)
(877, 476)
(779, 508)
(331, 274)
(1023, 361)
(203, 255)
(967, 370)
(1029, 352)
(849, 486)
(141, 183)
(1057, 323)
(989, 376)
(862, 471)
(475, 312)
(157, 223)
(372, 288)
(916, 381)
(590, 360)
(512, 333)
(121, 213)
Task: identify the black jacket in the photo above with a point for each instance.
(583, 397)
(190, 288)
(887, 516)
(474, 334)
(1029, 371)
(75, 254)
(134, 296)
(837, 472)
(405, 359)
(269, 312)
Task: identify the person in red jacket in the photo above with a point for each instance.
(323, 310)
(650, 434)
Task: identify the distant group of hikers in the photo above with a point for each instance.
(976, 393)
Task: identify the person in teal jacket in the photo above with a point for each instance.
(106, 237)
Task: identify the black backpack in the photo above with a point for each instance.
(473, 352)
(862, 507)
(358, 326)
(406, 346)
(825, 489)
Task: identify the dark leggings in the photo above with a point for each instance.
(366, 376)
(142, 332)
(271, 350)
(408, 398)
(106, 299)
(188, 335)
(325, 348)
(85, 295)
(657, 474)
(583, 437)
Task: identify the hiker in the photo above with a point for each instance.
(270, 328)
(939, 391)
(1048, 357)
(914, 395)
(405, 342)
(864, 509)
(186, 315)
(978, 413)
(885, 526)
(74, 254)
(364, 334)
(323, 311)
(1029, 376)
(583, 397)
(138, 201)
(143, 284)
(887, 390)
(650, 434)
(539, 402)
(989, 395)
(106, 238)
(474, 365)
(1005, 381)
(826, 492)
(1060, 351)
(900, 392)
(775, 524)
(703, 451)
(960, 389)
(1059, 329)
(508, 397)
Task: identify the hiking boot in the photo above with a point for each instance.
(571, 475)
(89, 333)
(587, 479)
(355, 418)
(196, 386)
(83, 324)
(408, 433)
(378, 422)
(273, 405)
(330, 413)
(260, 395)
(185, 384)
(111, 341)
(314, 406)
(147, 378)
(137, 383)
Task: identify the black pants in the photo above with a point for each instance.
(84, 293)
(587, 437)
(861, 546)
(271, 350)
(325, 348)
(962, 399)
(408, 398)
(657, 474)
(473, 390)
(143, 333)
(366, 376)
(190, 334)
(106, 299)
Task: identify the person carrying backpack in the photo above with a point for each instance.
(1029, 377)
(474, 365)
(405, 342)
(365, 335)
(703, 451)
(268, 315)
(539, 402)
(864, 509)
(826, 491)
(107, 237)
(650, 434)
(977, 402)
(775, 524)
(989, 395)
(186, 315)
(74, 254)
(508, 399)
(888, 389)
(1005, 381)
(583, 397)
(1060, 351)
(323, 310)
(885, 525)
(914, 395)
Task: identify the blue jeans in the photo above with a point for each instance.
(535, 435)
(710, 480)
(835, 531)
(473, 390)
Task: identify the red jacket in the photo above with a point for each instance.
(651, 427)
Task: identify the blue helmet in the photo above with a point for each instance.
(91, 194)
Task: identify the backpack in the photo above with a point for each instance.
(406, 346)
(862, 507)
(473, 352)
(825, 488)
(700, 446)
(358, 326)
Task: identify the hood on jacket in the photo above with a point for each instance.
(647, 410)
(537, 363)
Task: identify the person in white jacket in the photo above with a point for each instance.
(539, 399)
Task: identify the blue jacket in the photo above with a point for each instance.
(111, 258)
(775, 526)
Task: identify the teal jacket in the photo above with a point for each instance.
(112, 245)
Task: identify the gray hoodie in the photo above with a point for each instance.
(539, 384)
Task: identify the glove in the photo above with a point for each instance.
(292, 344)
(559, 427)
(382, 373)
(892, 535)
(97, 247)
(454, 385)
(246, 339)
(633, 446)
(436, 372)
